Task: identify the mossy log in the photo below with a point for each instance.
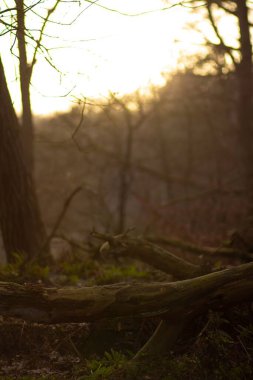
(167, 300)
(151, 254)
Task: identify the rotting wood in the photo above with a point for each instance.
(167, 300)
(151, 254)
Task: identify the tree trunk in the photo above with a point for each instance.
(245, 97)
(20, 220)
(25, 76)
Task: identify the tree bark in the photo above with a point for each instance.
(171, 301)
(245, 104)
(20, 219)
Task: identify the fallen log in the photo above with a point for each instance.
(151, 254)
(167, 300)
(211, 252)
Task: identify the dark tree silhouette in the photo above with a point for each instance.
(20, 221)
(243, 70)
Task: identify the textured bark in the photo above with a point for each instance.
(20, 220)
(187, 298)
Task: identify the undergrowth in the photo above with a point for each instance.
(222, 350)
(220, 346)
(70, 272)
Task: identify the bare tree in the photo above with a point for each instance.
(25, 72)
(20, 221)
(131, 122)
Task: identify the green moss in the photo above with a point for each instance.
(23, 270)
(111, 274)
(79, 268)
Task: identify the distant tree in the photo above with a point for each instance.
(131, 122)
(240, 58)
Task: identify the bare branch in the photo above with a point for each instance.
(186, 4)
(61, 215)
(226, 48)
(38, 44)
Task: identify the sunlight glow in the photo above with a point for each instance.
(101, 52)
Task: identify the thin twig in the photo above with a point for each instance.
(61, 215)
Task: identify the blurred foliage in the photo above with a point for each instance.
(21, 270)
(72, 271)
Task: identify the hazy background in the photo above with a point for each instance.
(134, 103)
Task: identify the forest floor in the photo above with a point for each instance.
(218, 345)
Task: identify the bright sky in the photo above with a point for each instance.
(101, 51)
